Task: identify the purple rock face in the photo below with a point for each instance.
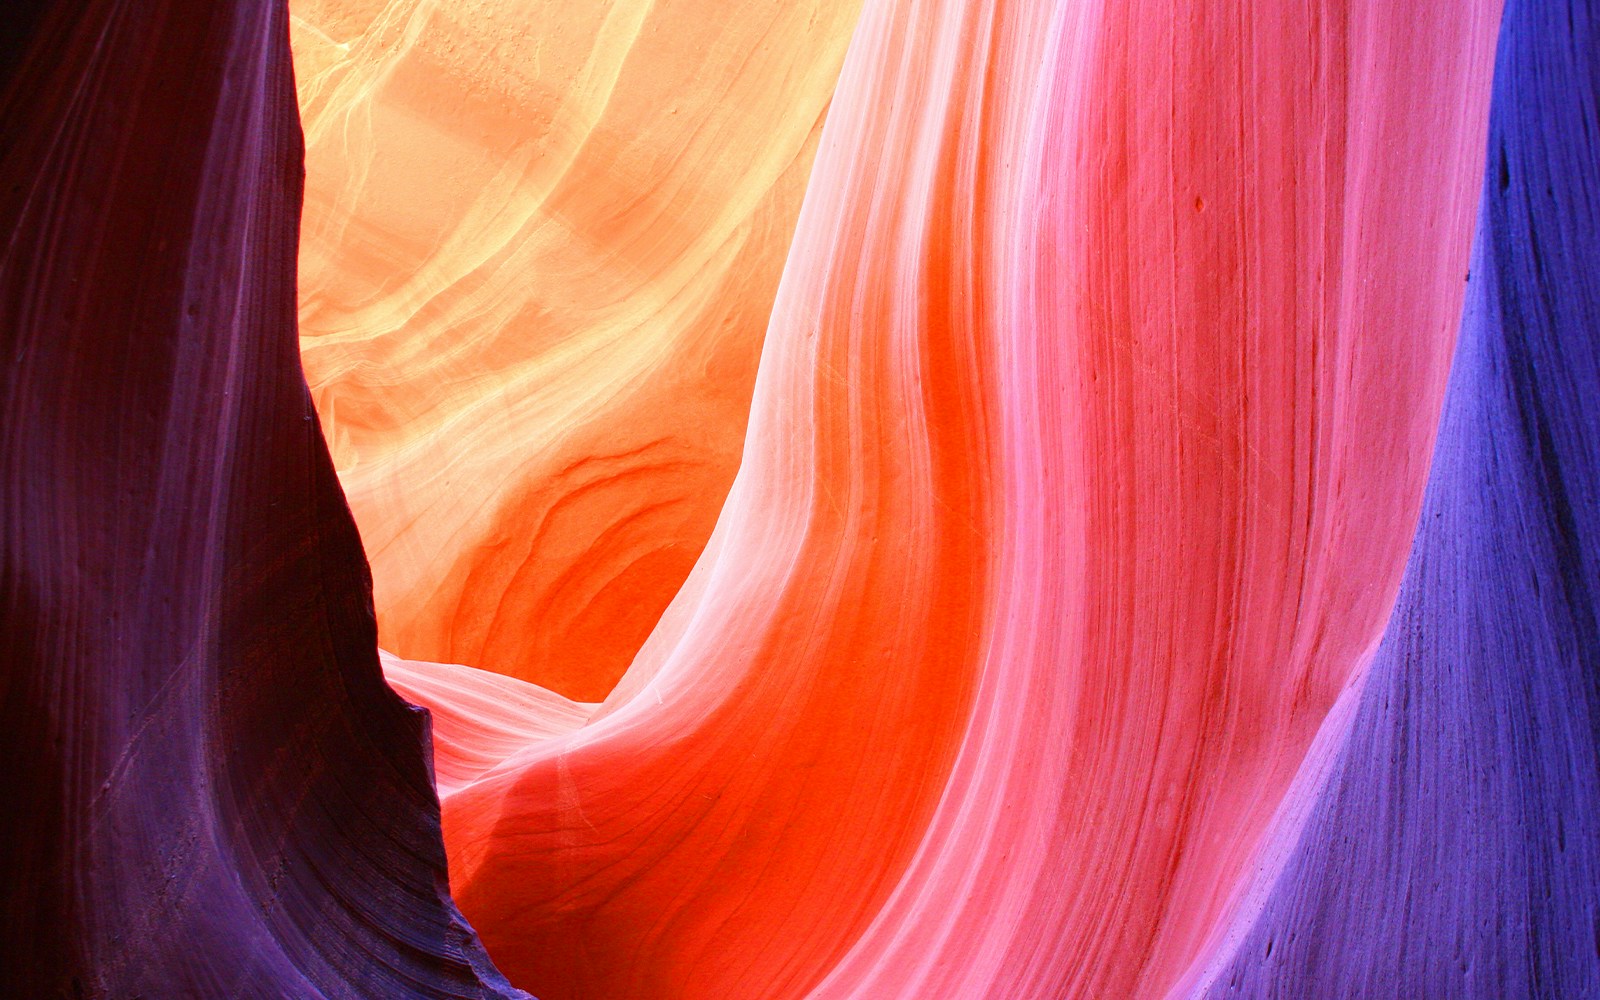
(209, 790)
(1456, 852)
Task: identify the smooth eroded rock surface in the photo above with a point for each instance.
(541, 245)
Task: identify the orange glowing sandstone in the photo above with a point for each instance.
(541, 242)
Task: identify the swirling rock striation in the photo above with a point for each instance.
(1069, 630)
(1085, 454)
(1454, 849)
(542, 242)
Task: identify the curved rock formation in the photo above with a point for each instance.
(1070, 628)
(1455, 847)
(541, 245)
(1087, 447)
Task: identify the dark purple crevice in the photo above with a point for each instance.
(209, 790)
